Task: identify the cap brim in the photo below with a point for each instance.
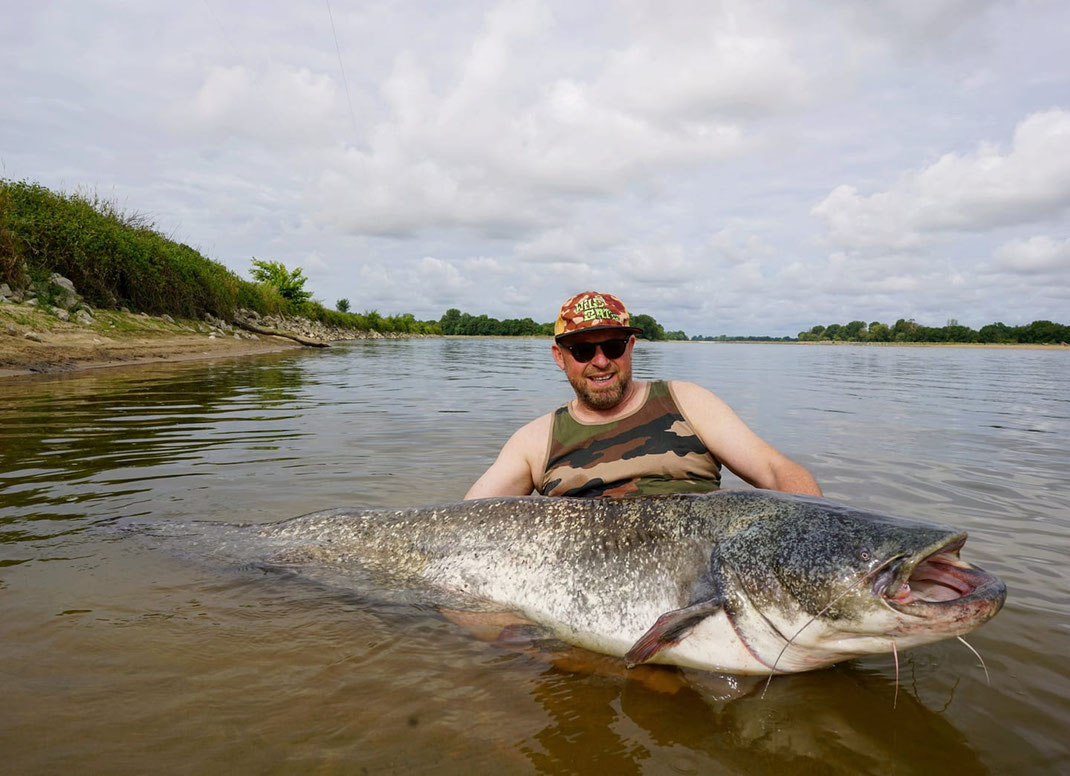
(566, 335)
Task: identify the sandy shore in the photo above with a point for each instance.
(33, 341)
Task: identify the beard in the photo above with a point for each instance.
(603, 397)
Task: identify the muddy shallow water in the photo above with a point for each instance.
(118, 658)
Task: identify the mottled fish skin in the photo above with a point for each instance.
(733, 575)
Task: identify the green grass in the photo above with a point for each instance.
(20, 318)
(118, 259)
(111, 323)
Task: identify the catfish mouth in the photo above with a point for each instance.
(938, 582)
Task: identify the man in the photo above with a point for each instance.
(621, 437)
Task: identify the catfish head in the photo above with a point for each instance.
(807, 582)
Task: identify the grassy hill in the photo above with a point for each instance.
(118, 259)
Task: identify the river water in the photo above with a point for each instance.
(118, 658)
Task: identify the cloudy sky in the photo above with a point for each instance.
(727, 167)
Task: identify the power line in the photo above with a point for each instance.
(345, 82)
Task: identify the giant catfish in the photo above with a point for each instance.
(746, 582)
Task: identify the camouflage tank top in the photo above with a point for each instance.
(653, 450)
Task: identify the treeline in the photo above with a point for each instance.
(118, 259)
(726, 338)
(907, 330)
(454, 322)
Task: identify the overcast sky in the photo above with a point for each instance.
(727, 167)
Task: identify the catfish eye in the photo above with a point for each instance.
(864, 555)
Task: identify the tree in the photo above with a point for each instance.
(1044, 331)
(879, 332)
(451, 321)
(652, 330)
(904, 330)
(853, 330)
(996, 332)
(342, 305)
(956, 333)
(290, 285)
(374, 319)
(403, 323)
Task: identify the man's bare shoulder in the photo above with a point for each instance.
(533, 436)
(692, 393)
(707, 413)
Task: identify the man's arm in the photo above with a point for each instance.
(739, 448)
(518, 465)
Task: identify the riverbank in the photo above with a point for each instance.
(841, 343)
(38, 341)
(995, 345)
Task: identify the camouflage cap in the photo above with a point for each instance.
(592, 311)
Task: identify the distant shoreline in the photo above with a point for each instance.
(838, 343)
(56, 347)
(826, 343)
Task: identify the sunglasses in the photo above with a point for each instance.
(584, 351)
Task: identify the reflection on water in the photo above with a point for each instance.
(119, 659)
(114, 437)
(841, 721)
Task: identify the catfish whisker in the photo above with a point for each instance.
(895, 654)
(978, 654)
(828, 606)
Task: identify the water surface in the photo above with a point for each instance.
(116, 658)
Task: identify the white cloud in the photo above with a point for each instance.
(498, 168)
(552, 245)
(976, 191)
(739, 243)
(715, 62)
(494, 142)
(441, 274)
(575, 242)
(1035, 255)
(912, 26)
(280, 105)
(660, 266)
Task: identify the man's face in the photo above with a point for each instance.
(601, 383)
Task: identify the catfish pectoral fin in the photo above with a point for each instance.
(670, 628)
(528, 637)
(486, 626)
